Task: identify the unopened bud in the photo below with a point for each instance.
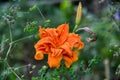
(79, 14)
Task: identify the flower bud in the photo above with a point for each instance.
(79, 13)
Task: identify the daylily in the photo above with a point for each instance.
(58, 44)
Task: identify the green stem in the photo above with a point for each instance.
(10, 42)
(10, 30)
(75, 28)
(19, 67)
(21, 39)
(41, 13)
(8, 52)
(13, 71)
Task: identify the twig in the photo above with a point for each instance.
(9, 52)
(19, 67)
(21, 39)
(41, 13)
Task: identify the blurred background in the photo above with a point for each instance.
(99, 60)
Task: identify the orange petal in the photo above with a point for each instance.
(75, 56)
(47, 40)
(53, 34)
(49, 32)
(69, 60)
(39, 55)
(53, 61)
(56, 52)
(63, 31)
(67, 48)
(43, 33)
(74, 39)
(81, 45)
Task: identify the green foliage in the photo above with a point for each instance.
(33, 8)
(64, 73)
(47, 23)
(31, 27)
(12, 77)
(94, 61)
(118, 70)
(66, 9)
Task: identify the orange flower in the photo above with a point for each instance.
(58, 44)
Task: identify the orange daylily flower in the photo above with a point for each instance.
(58, 44)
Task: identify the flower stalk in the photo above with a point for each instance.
(78, 16)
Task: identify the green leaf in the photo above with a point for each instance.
(34, 66)
(22, 76)
(47, 21)
(33, 23)
(33, 78)
(33, 8)
(12, 77)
